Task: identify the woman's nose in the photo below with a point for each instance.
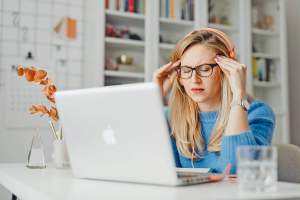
(195, 78)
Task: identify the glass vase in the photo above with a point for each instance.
(36, 155)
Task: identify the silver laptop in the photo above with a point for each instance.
(120, 133)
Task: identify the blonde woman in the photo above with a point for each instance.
(209, 112)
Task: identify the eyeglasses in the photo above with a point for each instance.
(204, 70)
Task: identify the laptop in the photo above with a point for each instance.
(120, 133)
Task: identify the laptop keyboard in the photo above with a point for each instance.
(182, 174)
(188, 178)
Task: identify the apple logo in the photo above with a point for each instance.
(108, 135)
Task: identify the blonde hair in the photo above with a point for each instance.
(184, 112)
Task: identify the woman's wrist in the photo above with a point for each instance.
(237, 96)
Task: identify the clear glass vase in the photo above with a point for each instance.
(36, 155)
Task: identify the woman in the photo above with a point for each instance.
(209, 113)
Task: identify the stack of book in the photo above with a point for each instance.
(133, 6)
(177, 9)
(263, 70)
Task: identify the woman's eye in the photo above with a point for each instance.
(204, 68)
(185, 70)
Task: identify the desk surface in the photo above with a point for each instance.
(55, 184)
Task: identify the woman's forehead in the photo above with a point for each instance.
(198, 54)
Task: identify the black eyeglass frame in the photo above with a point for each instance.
(212, 65)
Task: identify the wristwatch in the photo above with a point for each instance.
(242, 102)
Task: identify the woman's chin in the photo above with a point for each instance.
(199, 98)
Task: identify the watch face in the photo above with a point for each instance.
(246, 104)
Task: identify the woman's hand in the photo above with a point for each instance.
(236, 74)
(165, 76)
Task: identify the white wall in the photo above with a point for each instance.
(14, 144)
(293, 28)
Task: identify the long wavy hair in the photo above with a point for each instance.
(184, 112)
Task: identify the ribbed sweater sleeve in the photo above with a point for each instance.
(261, 123)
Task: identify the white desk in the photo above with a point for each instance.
(53, 184)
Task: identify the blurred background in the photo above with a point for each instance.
(94, 43)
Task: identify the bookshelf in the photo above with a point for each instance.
(160, 28)
(269, 61)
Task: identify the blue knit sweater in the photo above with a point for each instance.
(261, 123)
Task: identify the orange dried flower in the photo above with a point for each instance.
(38, 109)
(39, 76)
(44, 81)
(20, 71)
(29, 74)
(53, 113)
(49, 91)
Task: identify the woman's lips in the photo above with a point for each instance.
(197, 90)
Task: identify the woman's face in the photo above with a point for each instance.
(201, 89)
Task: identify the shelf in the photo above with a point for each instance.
(124, 18)
(264, 55)
(223, 27)
(123, 74)
(265, 84)
(166, 46)
(279, 112)
(263, 32)
(127, 42)
(129, 15)
(176, 22)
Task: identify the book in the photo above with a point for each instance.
(177, 9)
(118, 4)
(142, 6)
(122, 6)
(171, 9)
(126, 5)
(254, 68)
(131, 6)
(112, 5)
(106, 4)
(262, 71)
(162, 8)
(191, 9)
(167, 8)
(136, 6)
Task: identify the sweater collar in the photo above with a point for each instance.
(208, 116)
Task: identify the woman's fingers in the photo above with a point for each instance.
(168, 67)
(166, 70)
(165, 76)
(169, 82)
(227, 62)
(232, 68)
(226, 59)
(172, 76)
(164, 67)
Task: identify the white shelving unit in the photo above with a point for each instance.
(258, 31)
(269, 46)
(171, 25)
(160, 34)
(223, 27)
(123, 74)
